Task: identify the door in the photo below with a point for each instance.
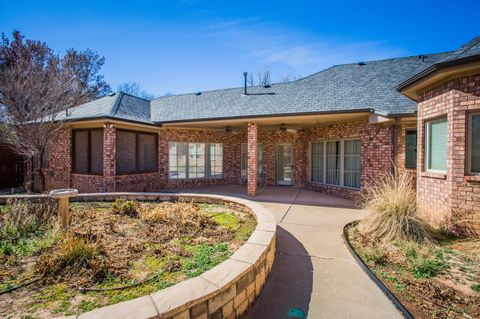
(284, 164)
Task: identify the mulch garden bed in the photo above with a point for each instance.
(441, 280)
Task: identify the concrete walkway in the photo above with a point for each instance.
(313, 269)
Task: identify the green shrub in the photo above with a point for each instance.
(125, 207)
(475, 287)
(391, 202)
(427, 268)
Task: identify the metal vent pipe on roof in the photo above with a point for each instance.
(245, 83)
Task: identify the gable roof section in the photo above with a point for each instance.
(121, 106)
(469, 52)
(356, 87)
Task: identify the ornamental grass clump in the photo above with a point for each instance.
(391, 201)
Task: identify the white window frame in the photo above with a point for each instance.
(428, 128)
(207, 169)
(342, 163)
(469, 143)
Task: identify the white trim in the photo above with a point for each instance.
(428, 128)
(342, 162)
(207, 168)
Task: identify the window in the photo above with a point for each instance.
(411, 149)
(333, 162)
(436, 145)
(244, 161)
(336, 163)
(216, 160)
(351, 170)
(88, 151)
(317, 162)
(136, 152)
(195, 160)
(473, 143)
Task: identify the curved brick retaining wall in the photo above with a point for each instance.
(224, 291)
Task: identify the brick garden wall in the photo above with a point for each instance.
(445, 199)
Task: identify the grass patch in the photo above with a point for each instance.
(428, 268)
(204, 258)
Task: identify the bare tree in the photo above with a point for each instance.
(289, 78)
(135, 89)
(36, 89)
(264, 77)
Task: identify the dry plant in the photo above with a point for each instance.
(73, 255)
(391, 201)
(181, 218)
(23, 218)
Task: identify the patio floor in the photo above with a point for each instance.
(313, 269)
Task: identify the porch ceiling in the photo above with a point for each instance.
(295, 121)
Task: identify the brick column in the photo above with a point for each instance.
(109, 157)
(252, 159)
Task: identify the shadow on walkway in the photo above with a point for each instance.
(289, 283)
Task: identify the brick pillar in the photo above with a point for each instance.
(252, 159)
(109, 157)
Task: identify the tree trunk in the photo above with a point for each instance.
(41, 177)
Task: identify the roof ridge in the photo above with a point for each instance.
(301, 79)
(116, 104)
(465, 47)
(137, 97)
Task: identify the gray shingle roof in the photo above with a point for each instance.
(469, 49)
(342, 88)
(466, 53)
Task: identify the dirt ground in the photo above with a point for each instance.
(441, 280)
(112, 254)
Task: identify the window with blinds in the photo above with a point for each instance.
(436, 145)
(87, 151)
(136, 152)
(411, 149)
(244, 161)
(474, 143)
(195, 160)
(336, 163)
(317, 162)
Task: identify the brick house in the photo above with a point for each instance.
(333, 132)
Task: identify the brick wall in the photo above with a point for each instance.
(376, 151)
(446, 199)
(376, 157)
(252, 140)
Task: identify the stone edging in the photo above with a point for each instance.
(401, 308)
(224, 291)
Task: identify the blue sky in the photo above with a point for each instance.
(180, 46)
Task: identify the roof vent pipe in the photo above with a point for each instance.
(245, 83)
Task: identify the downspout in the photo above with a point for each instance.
(395, 146)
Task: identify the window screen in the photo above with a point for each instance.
(125, 154)
(88, 151)
(147, 152)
